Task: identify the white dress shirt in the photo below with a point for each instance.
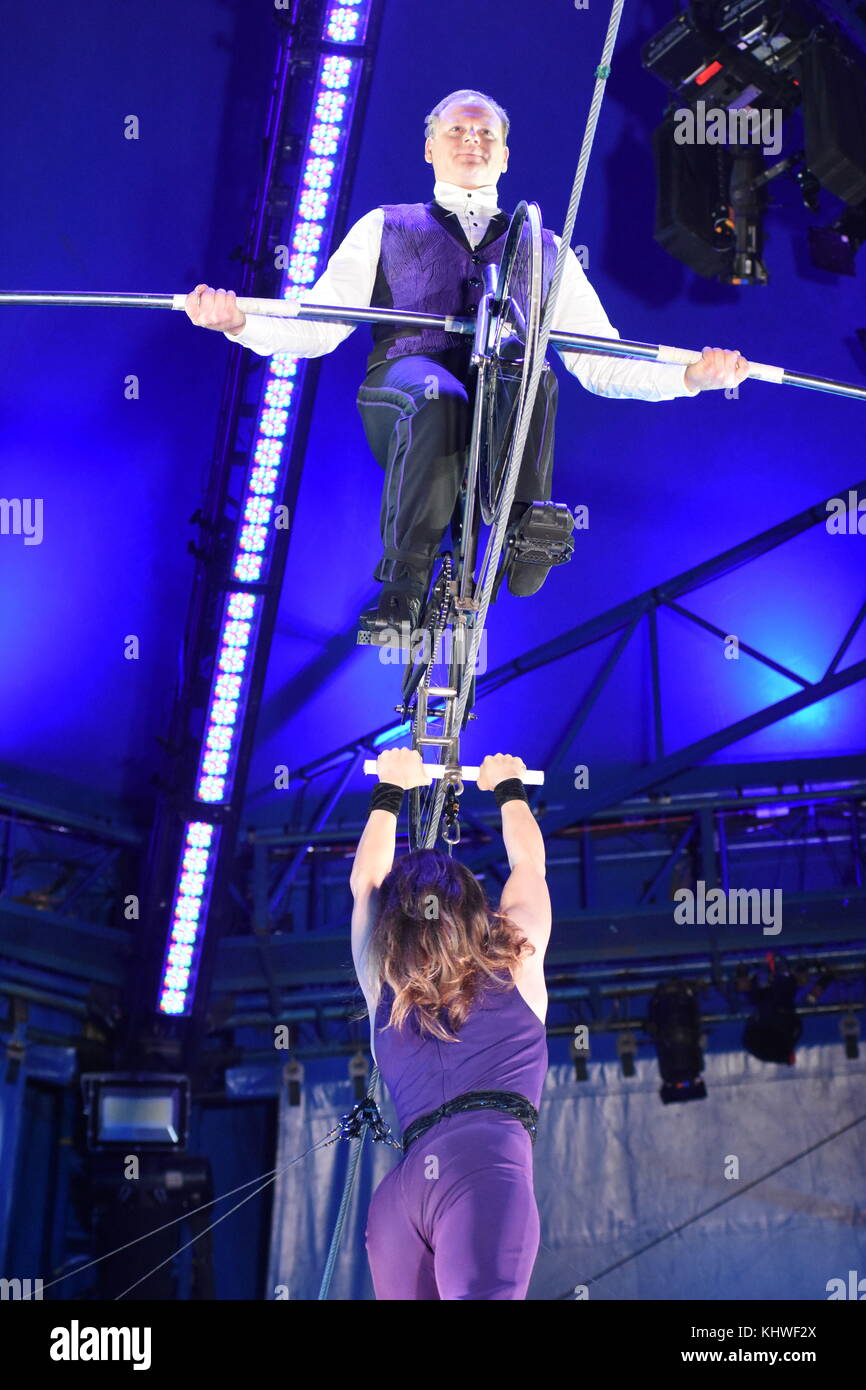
(351, 274)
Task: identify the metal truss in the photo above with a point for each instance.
(64, 933)
(622, 622)
(607, 998)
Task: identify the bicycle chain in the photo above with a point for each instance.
(441, 617)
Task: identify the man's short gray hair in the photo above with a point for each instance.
(465, 94)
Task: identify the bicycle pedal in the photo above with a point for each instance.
(538, 540)
(400, 639)
(543, 535)
(371, 637)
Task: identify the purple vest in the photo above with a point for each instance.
(426, 264)
(502, 1046)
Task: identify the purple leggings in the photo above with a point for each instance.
(457, 1217)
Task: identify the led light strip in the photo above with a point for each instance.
(346, 21)
(188, 915)
(333, 103)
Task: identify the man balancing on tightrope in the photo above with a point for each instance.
(415, 400)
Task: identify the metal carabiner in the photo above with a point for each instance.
(451, 832)
(451, 809)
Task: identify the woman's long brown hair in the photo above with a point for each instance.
(435, 941)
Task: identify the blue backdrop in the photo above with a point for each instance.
(667, 485)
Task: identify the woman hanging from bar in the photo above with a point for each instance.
(457, 1002)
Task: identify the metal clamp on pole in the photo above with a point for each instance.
(482, 331)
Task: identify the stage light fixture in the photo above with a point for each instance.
(139, 1109)
(773, 1029)
(674, 1026)
(710, 202)
(293, 1077)
(626, 1047)
(693, 219)
(834, 118)
(849, 1027)
(732, 55)
(834, 248)
(740, 60)
(580, 1052)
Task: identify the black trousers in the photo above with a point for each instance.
(417, 416)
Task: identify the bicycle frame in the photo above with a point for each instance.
(464, 601)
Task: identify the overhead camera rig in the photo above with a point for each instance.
(737, 70)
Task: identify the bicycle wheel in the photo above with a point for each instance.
(513, 350)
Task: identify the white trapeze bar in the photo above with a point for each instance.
(466, 774)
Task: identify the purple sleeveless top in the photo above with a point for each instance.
(502, 1046)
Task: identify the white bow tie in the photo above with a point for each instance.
(464, 200)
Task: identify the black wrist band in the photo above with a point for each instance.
(512, 789)
(387, 796)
